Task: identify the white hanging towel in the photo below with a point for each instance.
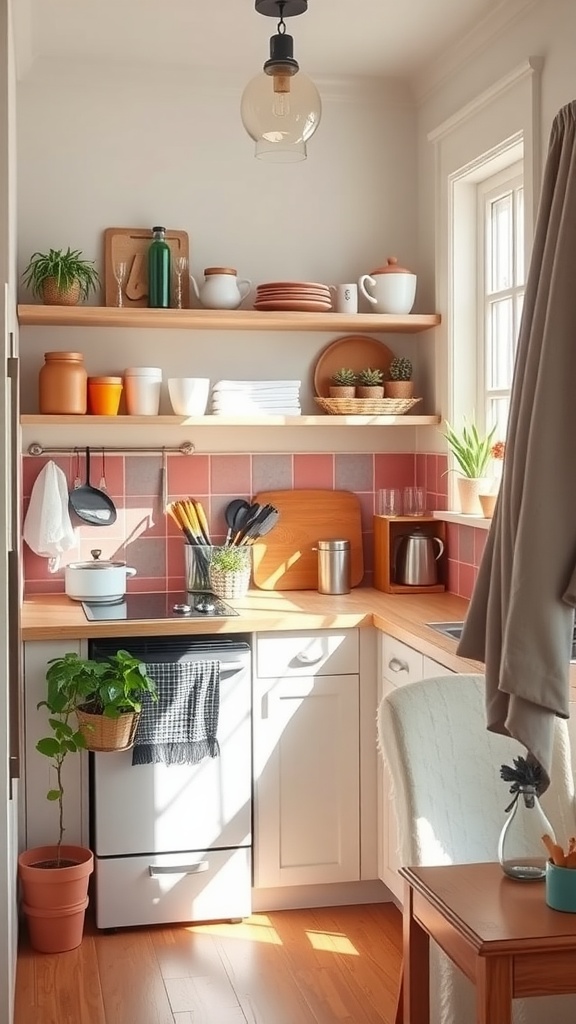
(47, 528)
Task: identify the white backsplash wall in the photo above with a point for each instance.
(131, 145)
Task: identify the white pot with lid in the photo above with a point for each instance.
(99, 582)
(391, 289)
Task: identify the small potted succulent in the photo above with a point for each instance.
(61, 278)
(343, 383)
(370, 383)
(400, 383)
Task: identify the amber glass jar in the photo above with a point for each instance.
(62, 384)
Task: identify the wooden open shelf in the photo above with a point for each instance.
(222, 319)
(31, 419)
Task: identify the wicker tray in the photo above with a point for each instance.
(366, 406)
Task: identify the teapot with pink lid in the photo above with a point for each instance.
(221, 288)
(390, 289)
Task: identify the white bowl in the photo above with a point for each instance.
(189, 395)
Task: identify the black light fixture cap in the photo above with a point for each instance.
(284, 8)
(282, 54)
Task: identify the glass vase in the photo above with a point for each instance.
(521, 852)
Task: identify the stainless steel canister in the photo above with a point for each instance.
(333, 566)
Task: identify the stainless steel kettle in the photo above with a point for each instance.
(415, 560)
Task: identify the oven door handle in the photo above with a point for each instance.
(177, 869)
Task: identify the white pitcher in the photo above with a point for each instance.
(391, 289)
(221, 289)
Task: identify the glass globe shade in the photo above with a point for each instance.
(281, 122)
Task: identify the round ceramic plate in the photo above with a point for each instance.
(355, 352)
(296, 305)
(292, 284)
(313, 296)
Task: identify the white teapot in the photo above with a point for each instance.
(391, 289)
(221, 289)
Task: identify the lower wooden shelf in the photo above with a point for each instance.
(30, 419)
(387, 532)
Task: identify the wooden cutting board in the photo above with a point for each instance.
(284, 559)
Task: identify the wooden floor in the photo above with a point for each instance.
(339, 964)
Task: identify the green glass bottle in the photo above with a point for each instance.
(159, 270)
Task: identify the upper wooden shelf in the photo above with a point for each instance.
(221, 319)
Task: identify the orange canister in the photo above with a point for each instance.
(62, 384)
(104, 395)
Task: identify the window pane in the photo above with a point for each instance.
(501, 231)
(520, 236)
(501, 342)
(498, 410)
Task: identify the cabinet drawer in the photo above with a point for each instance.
(151, 889)
(400, 663)
(312, 652)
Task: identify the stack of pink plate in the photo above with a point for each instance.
(303, 296)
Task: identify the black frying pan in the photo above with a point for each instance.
(90, 504)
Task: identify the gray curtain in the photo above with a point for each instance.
(521, 616)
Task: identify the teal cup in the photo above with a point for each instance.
(561, 888)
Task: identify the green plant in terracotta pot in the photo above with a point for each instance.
(370, 383)
(343, 383)
(61, 278)
(399, 383)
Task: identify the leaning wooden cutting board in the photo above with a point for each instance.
(285, 559)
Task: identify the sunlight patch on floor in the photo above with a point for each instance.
(256, 928)
(335, 942)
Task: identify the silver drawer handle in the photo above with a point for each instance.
(310, 657)
(398, 666)
(177, 869)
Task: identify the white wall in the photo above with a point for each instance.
(547, 29)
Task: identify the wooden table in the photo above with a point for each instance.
(499, 932)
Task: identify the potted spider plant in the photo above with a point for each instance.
(61, 278)
(54, 878)
(472, 452)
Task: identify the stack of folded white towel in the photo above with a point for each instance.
(256, 398)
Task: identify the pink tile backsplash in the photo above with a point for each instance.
(149, 540)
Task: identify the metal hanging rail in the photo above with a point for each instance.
(186, 448)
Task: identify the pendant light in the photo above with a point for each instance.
(281, 107)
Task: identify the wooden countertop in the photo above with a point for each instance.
(52, 617)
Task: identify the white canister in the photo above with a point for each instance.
(142, 385)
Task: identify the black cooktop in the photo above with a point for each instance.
(176, 605)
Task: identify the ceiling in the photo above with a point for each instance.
(384, 38)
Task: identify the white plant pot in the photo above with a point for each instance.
(469, 491)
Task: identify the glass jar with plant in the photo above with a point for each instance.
(370, 383)
(472, 452)
(61, 278)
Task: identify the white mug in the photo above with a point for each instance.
(344, 298)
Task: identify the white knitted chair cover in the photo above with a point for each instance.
(450, 800)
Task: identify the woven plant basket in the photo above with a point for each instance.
(230, 584)
(108, 734)
(52, 295)
(370, 391)
(342, 390)
(366, 406)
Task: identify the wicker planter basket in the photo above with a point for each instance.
(230, 584)
(366, 406)
(108, 734)
(52, 295)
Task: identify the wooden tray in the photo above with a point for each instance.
(284, 559)
(132, 244)
(355, 351)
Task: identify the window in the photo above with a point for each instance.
(500, 233)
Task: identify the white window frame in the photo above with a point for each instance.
(508, 181)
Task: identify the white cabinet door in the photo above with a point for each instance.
(399, 665)
(306, 755)
(42, 814)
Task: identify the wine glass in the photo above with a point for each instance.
(120, 270)
(180, 266)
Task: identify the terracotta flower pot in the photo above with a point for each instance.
(54, 899)
(399, 389)
(369, 391)
(342, 391)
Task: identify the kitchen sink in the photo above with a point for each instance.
(452, 629)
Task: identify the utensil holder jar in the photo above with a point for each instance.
(197, 563)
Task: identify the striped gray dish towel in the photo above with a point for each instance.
(181, 726)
